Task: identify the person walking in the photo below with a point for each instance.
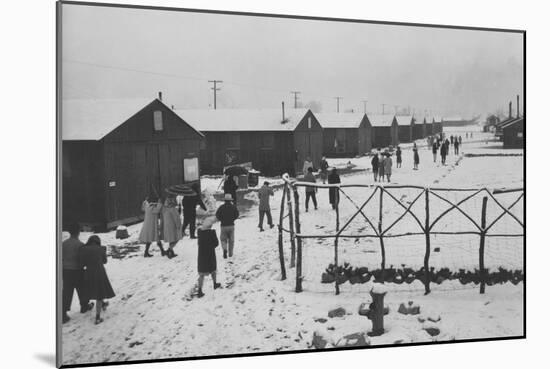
(324, 169)
(310, 190)
(96, 285)
(452, 140)
(189, 204)
(72, 272)
(434, 151)
(374, 162)
(150, 228)
(456, 147)
(307, 164)
(398, 157)
(381, 174)
(264, 193)
(230, 187)
(460, 140)
(443, 153)
(172, 229)
(206, 257)
(387, 166)
(416, 157)
(227, 214)
(333, 194)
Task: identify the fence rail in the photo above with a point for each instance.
(424, 221)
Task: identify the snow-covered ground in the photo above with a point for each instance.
(257, 312)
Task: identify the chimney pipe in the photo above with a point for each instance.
(160, 95)
(510, 109)
(283, 107)
(172, 107)
(517, 97)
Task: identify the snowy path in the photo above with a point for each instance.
(256, 312)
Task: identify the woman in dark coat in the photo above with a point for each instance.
(95, 283)
(374, 163)
(208, 241)
(416, 157)
(333, 194)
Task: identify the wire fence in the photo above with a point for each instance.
(411, 236)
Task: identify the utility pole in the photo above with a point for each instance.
(383, 111)
(215, 89)
(296, 93)
(365, 106)
(338, 98)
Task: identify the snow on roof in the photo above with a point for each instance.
(93, 119)
(207, 120)
(381, 120)
(419, 119)
(404, 120)
(340, 120)
(437, 119)
(512, 122)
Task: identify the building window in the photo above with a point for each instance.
(233, 141)
(268, 140)
(157, 121)
(309, 122)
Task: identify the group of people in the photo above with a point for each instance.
(442, 146)
(327, 174)
(382, 165)
(84, 271)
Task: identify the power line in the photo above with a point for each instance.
(215, 81)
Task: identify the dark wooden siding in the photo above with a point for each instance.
(139, 161)
(418, 130)
(347, 139)
(272, 153)
(82, 191)
(513, 135)
(308, 141)
(404, 133)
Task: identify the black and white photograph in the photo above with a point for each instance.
(234, 184)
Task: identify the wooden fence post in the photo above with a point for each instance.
(482, 274)
(428, 247)
(291, 228)
(382, 248)
(281, 249)
(336, 195)
(299, 241)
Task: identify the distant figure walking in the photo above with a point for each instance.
(227, 214)
(375, 162)
(189, 204)
(230, 187)
(333, 194)
(307, 164)
(310, 191)
(150, 228)
(398, 157)
(456, 147)
(171, 223)
(416, 157)
(72, 272)
(381, 174)
(324, 169)
(452, 140)
(434, 151)
(206, 258)
(460, 140)
(387, 166)
(443, 153)
(264, 193)
(96, 285)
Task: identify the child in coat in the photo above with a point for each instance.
(207, 242)
(95, 283)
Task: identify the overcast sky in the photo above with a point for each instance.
(125, 53)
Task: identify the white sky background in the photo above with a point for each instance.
(262, 59)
